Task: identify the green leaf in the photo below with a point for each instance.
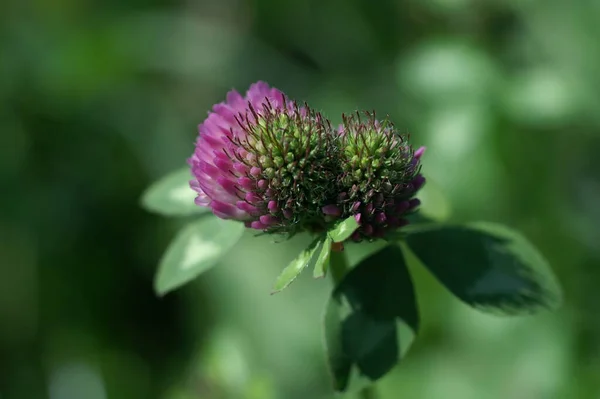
(415, 219)
(366, 319)
(172, 195)
(418, 218)
(343, 230)
(195, 249)
(488, 266)
(322, 263)
(309, 255)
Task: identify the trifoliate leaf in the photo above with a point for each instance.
(488, 266)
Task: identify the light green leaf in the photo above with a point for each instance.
(343, 230)
(172, 195)
(307, 256)
(488, 266)
(322, 263)
(195, 249)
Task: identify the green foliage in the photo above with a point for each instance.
(316, 254)
(343, 230)
(365, 319)
(488, 266)
(197, 248)
(172, 195)
(322, 263)
(371, 317)
(372, 312)
(310, 255)
(99, 98)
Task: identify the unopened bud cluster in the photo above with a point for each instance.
(380, 175)
(282, 168)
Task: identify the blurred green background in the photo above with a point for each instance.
(98, 99)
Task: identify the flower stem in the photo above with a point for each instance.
(338, 266)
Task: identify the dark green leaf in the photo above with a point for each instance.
(372, 343)
(343, 230)
(307, 256)
(487, 266)
(338, 361)
(366, 316)
(172, 195)
(322, 263)
(196, 249)
(418, 218)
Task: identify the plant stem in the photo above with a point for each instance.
(338, 266)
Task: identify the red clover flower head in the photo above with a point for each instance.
(266, 161)
(380, 175)
(281, 168)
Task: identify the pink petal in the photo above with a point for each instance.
(228, 211)
(420, 152)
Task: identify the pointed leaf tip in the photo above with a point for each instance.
(322, 262)
(309, 255)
